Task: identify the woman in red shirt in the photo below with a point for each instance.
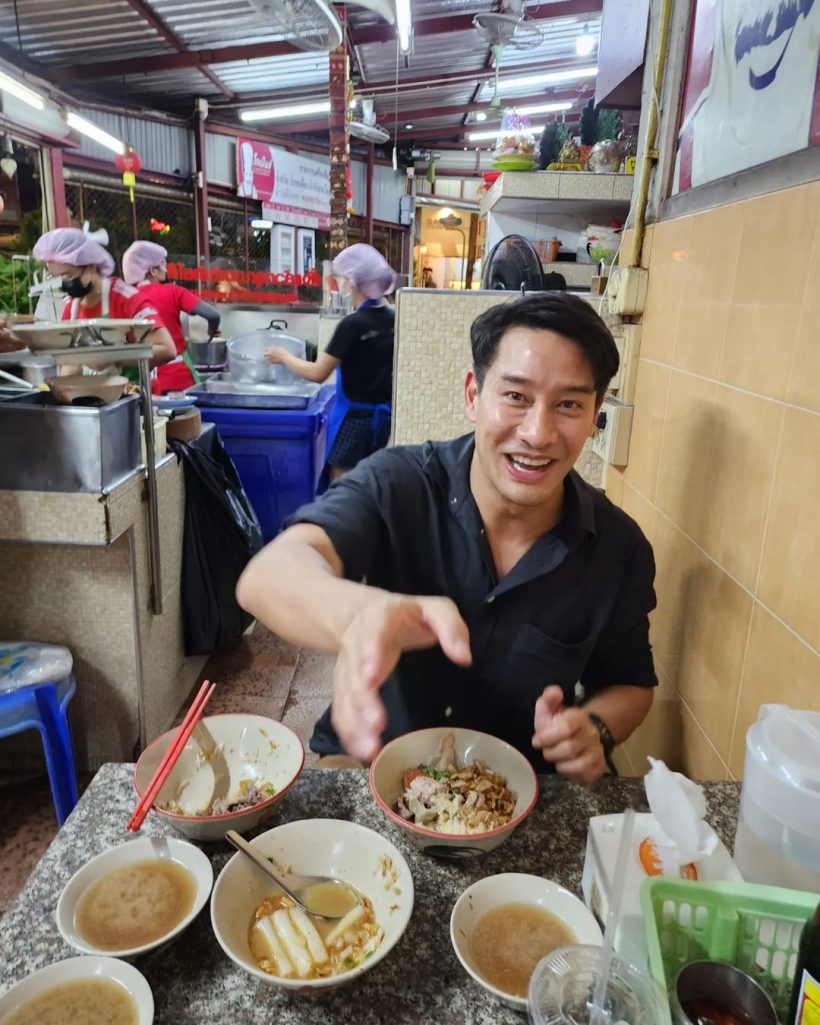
(144, 264)
(80, 258)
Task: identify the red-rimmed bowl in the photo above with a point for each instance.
(420, 748)
(233, 750)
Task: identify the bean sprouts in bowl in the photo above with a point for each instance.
(245, 903)
(231, 774)
(454, 792)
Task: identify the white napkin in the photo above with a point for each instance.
(679, 806)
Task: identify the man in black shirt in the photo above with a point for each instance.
(503, 593)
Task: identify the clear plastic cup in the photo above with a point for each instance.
(561, 988)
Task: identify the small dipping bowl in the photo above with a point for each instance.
(723, 988)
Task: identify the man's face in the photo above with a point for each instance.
(532, 415)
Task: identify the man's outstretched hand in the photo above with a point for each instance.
(371, 647)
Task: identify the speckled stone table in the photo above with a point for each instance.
(421, 981)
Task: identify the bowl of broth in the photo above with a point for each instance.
(503, 925)
(80, 991)
(262, 931)
(134, 897)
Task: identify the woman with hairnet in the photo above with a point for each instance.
(80, 258)
(362, 349)
(145, 266)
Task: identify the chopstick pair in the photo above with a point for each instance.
(175, 749)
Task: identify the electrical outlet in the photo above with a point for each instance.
(627, 290)
(611, 440)
(628, 342)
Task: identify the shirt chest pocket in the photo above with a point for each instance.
(536, 660)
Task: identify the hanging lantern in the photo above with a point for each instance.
(129, 164)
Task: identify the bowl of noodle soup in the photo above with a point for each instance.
(453, 792)
(262, 932)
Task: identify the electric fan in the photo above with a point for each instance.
(513, 266)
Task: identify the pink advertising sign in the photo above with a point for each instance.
(292, 189)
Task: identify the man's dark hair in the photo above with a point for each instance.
(562, 312)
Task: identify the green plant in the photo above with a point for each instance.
(31, 228)
(14, 285)
(608, 124)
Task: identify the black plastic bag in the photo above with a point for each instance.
(221, 534)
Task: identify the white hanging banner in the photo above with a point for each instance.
(293, 189)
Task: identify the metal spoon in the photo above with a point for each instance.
(317, 895)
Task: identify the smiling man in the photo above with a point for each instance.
(502, 592)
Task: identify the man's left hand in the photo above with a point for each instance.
(568, 738)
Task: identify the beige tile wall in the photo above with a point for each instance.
(724, 473)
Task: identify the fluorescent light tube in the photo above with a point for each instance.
(263, 225)
(547, 78)
(543, 108)
(493, 133)
(404, 24)
(276, 113)
(22, 92)
(94, 132)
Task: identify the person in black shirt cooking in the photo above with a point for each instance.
(362, 350)
(480, 582)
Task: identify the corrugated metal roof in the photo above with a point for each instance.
(298, 71)
(57, 32)
(163, 147)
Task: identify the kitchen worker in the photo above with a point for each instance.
(145, 266)
(80, 258)
(480, 582)
(362, 349)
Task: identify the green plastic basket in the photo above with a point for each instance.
(755, 928)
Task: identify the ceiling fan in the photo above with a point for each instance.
(508, 27)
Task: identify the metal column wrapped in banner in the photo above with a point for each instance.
(339, 146)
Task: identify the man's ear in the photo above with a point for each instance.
(471, 392)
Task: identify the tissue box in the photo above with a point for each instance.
(603, 838)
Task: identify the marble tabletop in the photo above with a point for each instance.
(421, 980)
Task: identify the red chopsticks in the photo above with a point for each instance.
(180, 739)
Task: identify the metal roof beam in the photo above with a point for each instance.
(171, 61)
(159, 26)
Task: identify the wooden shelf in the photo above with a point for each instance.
(522, 192)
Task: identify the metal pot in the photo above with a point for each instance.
(213, 353)
(246, 355)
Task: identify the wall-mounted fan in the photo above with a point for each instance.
(365, 127)
(513, 265)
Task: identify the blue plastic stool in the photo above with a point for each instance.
(41, 705)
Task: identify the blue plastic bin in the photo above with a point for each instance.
(278, 454)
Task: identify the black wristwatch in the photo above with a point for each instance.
(607, 740)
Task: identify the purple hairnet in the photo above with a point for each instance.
(366, 269)
(77, 246)
(139, 258)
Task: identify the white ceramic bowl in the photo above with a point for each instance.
(145, 848)
(106, 387)
(420, 748)
(75, 969)
(330, 847)
(252, 748)
(516, 888)
(46, 335)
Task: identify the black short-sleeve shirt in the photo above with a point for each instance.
(363, 342)
(573, 611)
